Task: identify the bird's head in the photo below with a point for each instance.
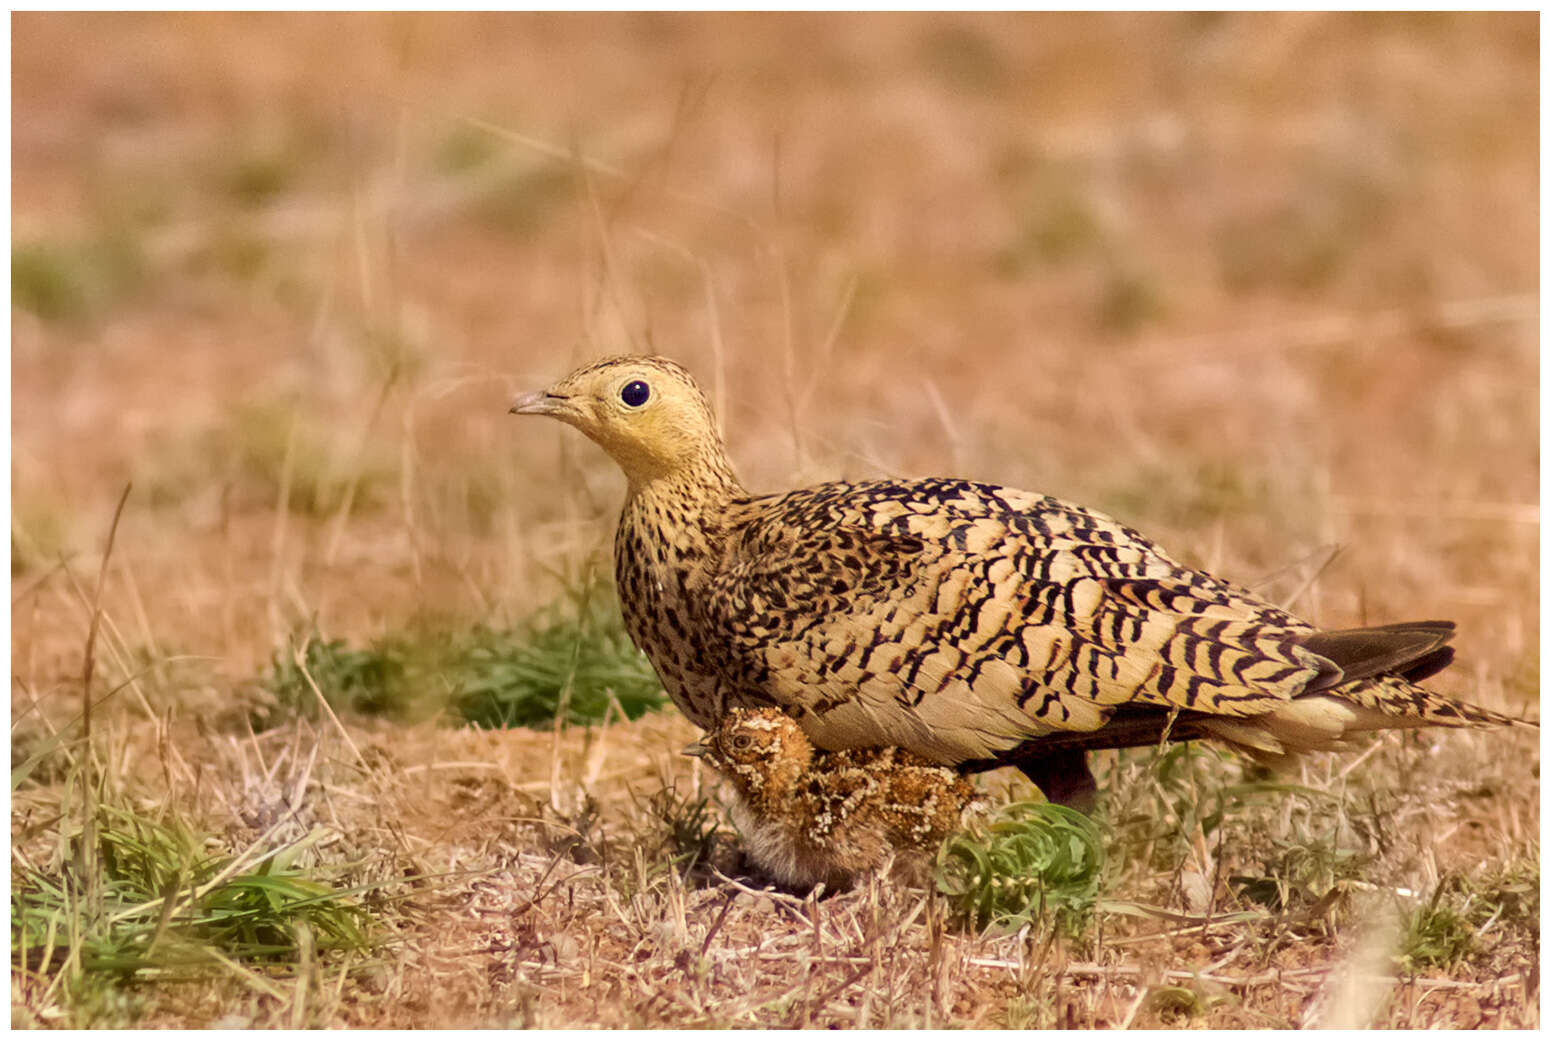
(761, 750)
(646, 412)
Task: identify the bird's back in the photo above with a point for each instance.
(974, 624)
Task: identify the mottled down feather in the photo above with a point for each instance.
(810, 816)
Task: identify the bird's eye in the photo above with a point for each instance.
(635, 393)
(742, 742)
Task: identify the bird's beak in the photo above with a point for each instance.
(538, 402)
(698, 749)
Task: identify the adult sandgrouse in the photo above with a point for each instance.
(808, 816)
(974, 625)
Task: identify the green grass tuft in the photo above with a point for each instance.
(1436, 935)
(370, 681)
(682, 828)
(164, 906)
(269, 446)
(39, 533)
(572, 660)
(1470, 917)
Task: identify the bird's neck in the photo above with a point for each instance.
(700, 487)
(670, 527)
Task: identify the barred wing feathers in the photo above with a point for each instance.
(962, 619)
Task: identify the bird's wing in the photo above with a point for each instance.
(960, 619)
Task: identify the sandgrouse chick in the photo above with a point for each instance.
(974, 625)
(810, 816)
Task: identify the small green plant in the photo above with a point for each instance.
(573, 660)
(1033, 858)
(48, 281)
(1465, 917)
(1160, 798)
(1305, 841)
(40, 534)
(1190, 499)
(1177, 1004)
(570, 661)
(1436, 936)
(683, 827)
(369, 681)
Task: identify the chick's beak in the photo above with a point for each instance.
(698, 749)
(538, 402)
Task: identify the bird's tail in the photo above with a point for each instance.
(1370, 684)
(1366, 681)
(1322, 721)
(1412, 650)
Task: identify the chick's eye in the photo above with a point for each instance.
(742, 742)
(635, 393)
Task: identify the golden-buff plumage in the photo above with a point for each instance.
(810, 816)
(972, 624)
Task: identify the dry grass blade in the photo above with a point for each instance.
(300, 660)
(88, 655)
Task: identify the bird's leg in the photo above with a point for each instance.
(1064, 778)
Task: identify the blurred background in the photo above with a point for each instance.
(1259, 284)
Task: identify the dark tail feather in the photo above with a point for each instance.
(1429, 665)
(1412, 649)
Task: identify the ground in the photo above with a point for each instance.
(1262, 286)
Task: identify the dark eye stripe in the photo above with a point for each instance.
(635, 393)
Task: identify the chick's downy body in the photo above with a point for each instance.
(809, 816)
(971, 624)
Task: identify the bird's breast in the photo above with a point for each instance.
(660, 556)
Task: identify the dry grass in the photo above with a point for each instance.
(1258, 285)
